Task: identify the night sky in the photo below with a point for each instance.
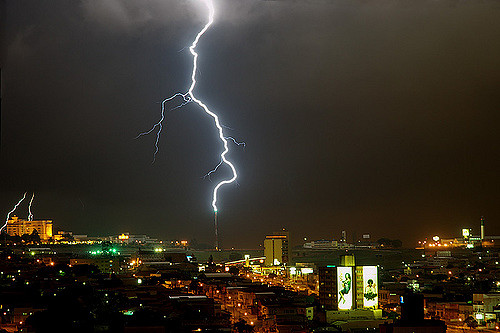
(370, 116)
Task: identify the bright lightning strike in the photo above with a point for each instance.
(30, 214)
(159, 124)
(188, 97)
(12, 211)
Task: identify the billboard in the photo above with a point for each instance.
(370, 287)
(307, 270)
(345, 284)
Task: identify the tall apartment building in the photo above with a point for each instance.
(348, 287)
(18, 227)
(276, 248)
(328, 287)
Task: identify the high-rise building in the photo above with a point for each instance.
(347, 260)
(412, 318)
(18, 227)
(366, 287)
(348, 287)
(276, 249)
(482, 228)
(328, 287)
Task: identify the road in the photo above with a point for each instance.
(462, 329)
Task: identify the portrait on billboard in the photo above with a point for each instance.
(370, 287)
(344, 284)
(370, 290)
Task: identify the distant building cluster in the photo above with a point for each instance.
(468, 240)
(273, 289)
(342, 244)
(18, 227)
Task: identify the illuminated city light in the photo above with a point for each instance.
(12, 211)
(188, 97)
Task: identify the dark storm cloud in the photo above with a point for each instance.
(133, 17)
(368, 116)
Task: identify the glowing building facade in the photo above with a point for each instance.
(276, 249)
(366, 287)
(348, 287)
(18, 227)
(345, 286)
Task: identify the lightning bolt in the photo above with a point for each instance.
(12, 211)
(188, 97)
(30, 214)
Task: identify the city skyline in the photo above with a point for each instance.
(375, 118)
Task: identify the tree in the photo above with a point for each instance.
(396, 243)
(241, 326)
(35, 237)
(471, 322)
(234, 270)
(26, 238)
(194, 286)
(384, 242)
(14, 239)
(233, 256)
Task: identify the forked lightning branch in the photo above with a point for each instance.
(188, 97)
